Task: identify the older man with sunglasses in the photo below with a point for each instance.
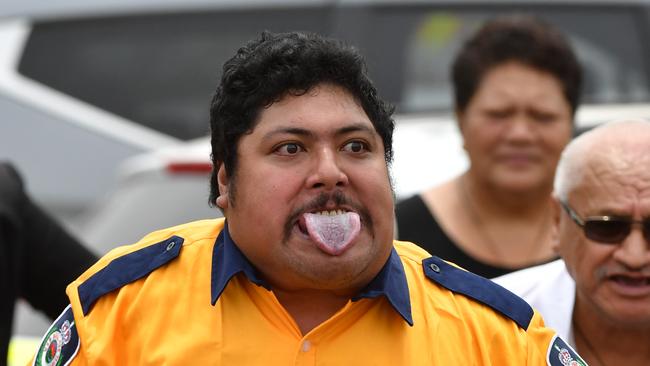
(598, 296)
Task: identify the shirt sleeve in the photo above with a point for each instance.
(546, 347)
(61, 343)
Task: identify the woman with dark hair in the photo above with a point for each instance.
(516, 88)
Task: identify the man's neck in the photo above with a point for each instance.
(605, 342)
(310, 308)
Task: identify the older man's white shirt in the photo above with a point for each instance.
(548, 288)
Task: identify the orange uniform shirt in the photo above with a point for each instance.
(187, 296)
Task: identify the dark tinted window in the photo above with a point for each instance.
(411, 48)
(157, 70)
(160, 70)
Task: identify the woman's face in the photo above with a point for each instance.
(515, 127)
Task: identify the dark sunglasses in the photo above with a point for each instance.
(607, 229)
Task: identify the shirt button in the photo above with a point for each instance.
(306, 346)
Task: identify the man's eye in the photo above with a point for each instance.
(355, 146)
(289, 149)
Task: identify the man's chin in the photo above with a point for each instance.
(330, 271)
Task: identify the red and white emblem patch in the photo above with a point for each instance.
(61, 342)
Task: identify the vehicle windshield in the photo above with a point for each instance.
(160, 70)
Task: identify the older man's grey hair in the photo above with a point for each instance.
(605, 141)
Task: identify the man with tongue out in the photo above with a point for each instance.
(304, 269)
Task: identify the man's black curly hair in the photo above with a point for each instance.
(521, 38)
(273, 66)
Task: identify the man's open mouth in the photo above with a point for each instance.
(634, 285)
(301, 220)
(333, 231)
(635, 281)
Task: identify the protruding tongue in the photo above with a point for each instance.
(333, 234)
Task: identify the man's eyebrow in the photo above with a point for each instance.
(288, 131)
(355, 127)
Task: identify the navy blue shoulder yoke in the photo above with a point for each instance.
(126, 269)
(480, 289)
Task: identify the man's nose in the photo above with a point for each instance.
(633, 251)
(327, 171)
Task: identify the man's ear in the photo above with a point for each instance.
(556, 212)
(222, 181)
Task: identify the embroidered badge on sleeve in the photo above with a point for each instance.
(561, 354)
(61, 342)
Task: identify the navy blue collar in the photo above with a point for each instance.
(228, 260)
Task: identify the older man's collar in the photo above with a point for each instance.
(228, 260)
